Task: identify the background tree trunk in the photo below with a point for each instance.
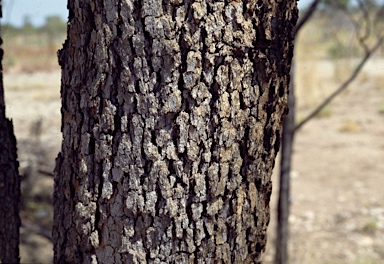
(282, 230)
(172, 113)
(9, 183)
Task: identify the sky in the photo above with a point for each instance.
(15, 11)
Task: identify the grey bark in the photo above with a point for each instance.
(9, 183)
(172, 113)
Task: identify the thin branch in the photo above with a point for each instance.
(306, 16)
(368, 54)
(368, 27)
(378, 25)
(38, 230)
(45, 172)
(364, 23)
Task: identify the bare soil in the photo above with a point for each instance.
(337, 201)
(337, 179)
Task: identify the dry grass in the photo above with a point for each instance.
(370, 226)
(381, 109)
(350, 126)
(30, 54)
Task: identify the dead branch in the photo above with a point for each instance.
(312, 8)
(38, 230)
(342, 87)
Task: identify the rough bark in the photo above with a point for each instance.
(172, 113)
(9, 183)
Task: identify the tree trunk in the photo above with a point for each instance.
(172, 113)
(282, 230)
(9, 183)
(288, 135)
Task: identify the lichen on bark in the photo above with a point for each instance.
(171, 123)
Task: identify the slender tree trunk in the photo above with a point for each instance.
(288, 135)
(9, 183)
(282, 234)
(172, 113)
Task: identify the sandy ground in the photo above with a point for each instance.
(337, 179)
(337, 203)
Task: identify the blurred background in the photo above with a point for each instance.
(337, 183)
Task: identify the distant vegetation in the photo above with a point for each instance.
(29, 48)
(330, 34)
(334, 33)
